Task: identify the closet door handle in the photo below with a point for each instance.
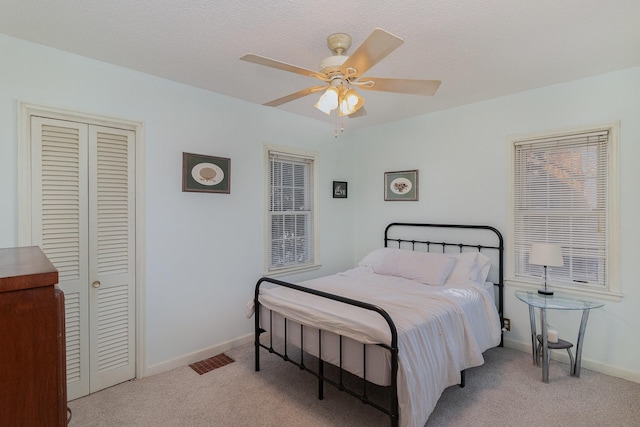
(96, 284)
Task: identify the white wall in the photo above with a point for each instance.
(204, 251)
(462, 157)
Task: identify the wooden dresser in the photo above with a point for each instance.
(33, 387)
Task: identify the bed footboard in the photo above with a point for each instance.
(391, 409)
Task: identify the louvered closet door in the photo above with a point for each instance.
(59, 209)
(83, 219)
(111, 256)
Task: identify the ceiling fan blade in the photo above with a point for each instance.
(361, 112)
(261, 60)
(378, 45)
(294, 96)
(414, 87)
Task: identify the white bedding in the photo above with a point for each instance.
(442, 330)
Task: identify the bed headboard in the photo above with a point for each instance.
(453, 238)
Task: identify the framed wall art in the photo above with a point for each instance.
(339, 190)
(401, 185)
(206, 174)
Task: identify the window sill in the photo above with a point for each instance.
(593, 293)
(285, 271)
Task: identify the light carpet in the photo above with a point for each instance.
(506, 391)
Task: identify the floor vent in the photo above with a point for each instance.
(207, 365)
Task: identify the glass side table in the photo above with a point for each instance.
(555, 302)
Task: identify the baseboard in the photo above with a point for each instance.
(198, 355)
(516, 345)
(592, 365)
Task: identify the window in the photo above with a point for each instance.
(291, 216)
(565, 191)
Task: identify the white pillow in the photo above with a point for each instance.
(484, 265)
(374, 256)
(471, 265)
(465, 268)
(423, 267)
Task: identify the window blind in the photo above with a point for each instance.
(560, 196)
(290, 210)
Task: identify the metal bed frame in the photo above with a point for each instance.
(392, 409)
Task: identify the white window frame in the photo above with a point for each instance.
(313, 262)
(612, 288)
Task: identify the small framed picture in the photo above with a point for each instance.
(339, 190)
(401, 185)
(206, 174)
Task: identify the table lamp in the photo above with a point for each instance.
(547, 255)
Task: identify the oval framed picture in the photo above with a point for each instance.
(206, 174)
(401, 185)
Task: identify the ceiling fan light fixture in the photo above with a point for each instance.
(350, 102)
(328, 101)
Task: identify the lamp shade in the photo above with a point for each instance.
(547, 254)
(350, 102)
(328, 101)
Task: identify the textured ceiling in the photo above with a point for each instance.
(479, 49)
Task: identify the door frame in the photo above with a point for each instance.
(25, 112)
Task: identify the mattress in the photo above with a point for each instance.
(378, 366)
(442, 330)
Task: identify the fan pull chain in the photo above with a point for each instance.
(335, 131)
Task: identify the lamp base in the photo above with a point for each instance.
(545, 291)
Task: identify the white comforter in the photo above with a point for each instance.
(441, 329)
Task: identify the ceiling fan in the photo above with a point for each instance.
(343, 73)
